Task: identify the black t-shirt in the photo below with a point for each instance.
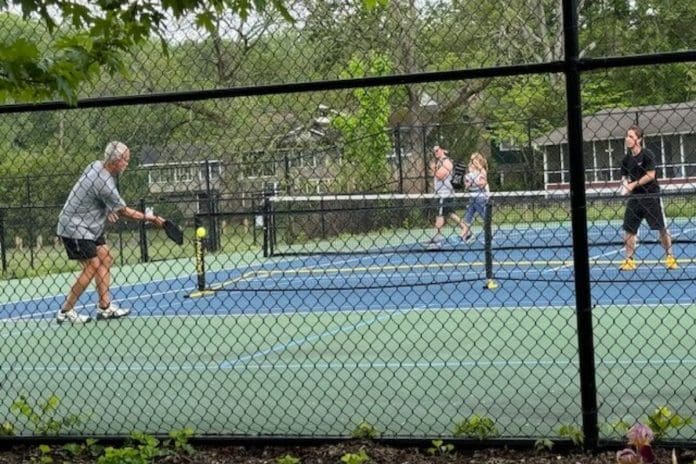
(635, 166)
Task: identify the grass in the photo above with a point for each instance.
(125, 248)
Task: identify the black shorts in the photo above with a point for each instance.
(643, 207)
(82, 249)
(445, 206)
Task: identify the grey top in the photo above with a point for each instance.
(443, 188)
(91, 199)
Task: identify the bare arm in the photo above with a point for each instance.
(444, 170)
(136, 215)
(646, 179)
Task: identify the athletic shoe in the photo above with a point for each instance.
(671, 262)
(436, 240)
(72, 317)
(628, 264)
(112, 312)
(469, 237)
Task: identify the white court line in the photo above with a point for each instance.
(299, 342)
(601, 255)
(342, 365)
(259, 266)
(243, 361)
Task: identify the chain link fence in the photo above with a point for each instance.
(309, 297)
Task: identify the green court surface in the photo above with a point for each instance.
(407, 372)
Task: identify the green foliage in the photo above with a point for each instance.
(42, 418)
(7, 429)
(366, 141)
(572, 432)
(44, 455)
(543, 444)
(365, 430)
(143, 450)
(95, 39)
(479, 427)
(288, 459)
(617, 428)
(360, 457)
(90, 448)
(663, 420)
(440, 448)
(180, 440)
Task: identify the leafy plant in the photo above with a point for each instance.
(7, 429)
(44, 455)
(144, 450)
(572, 432)
(543, 444)
(476, 426)
(89, 448)
(662, 420)
(355, 458)
(617, 428)
(365, 430)
(288, 459)
(439, 448)
(180, 440)
(42, 418)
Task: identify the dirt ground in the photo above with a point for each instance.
(328, 454)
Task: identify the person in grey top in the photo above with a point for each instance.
(94, 200)
(442, 169)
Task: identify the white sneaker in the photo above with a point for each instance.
(112, 312)
(71, 316)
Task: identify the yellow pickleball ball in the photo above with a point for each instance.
(201, 232)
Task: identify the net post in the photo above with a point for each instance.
(491, 284)
(2, 240)
(142, 232)
(268, 222)
(200, 255)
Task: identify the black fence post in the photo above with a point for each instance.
(200, 255)
(578, 206)
(144, 255)
(426, 160)
(31, 223)
(267, 224)
(3, 248)
(212, 239)
(399, 160)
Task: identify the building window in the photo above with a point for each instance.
(214, 170)
(689, 148)
(184, 174)
(258, 164)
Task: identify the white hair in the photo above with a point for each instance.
(114, 151)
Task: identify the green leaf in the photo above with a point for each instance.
(206, 20)
(51, 404)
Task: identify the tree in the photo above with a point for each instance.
(85, 39)
(367, 143)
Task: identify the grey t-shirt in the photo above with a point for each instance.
(443, 187)
(93, 197)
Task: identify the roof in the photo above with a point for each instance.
(612, 123)
(175, 153)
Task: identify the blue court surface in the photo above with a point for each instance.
(532, 265)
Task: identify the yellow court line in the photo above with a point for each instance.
(251, 275)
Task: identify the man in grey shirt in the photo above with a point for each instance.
(93, 200)
(442, 169)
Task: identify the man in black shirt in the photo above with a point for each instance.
(639, 182)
